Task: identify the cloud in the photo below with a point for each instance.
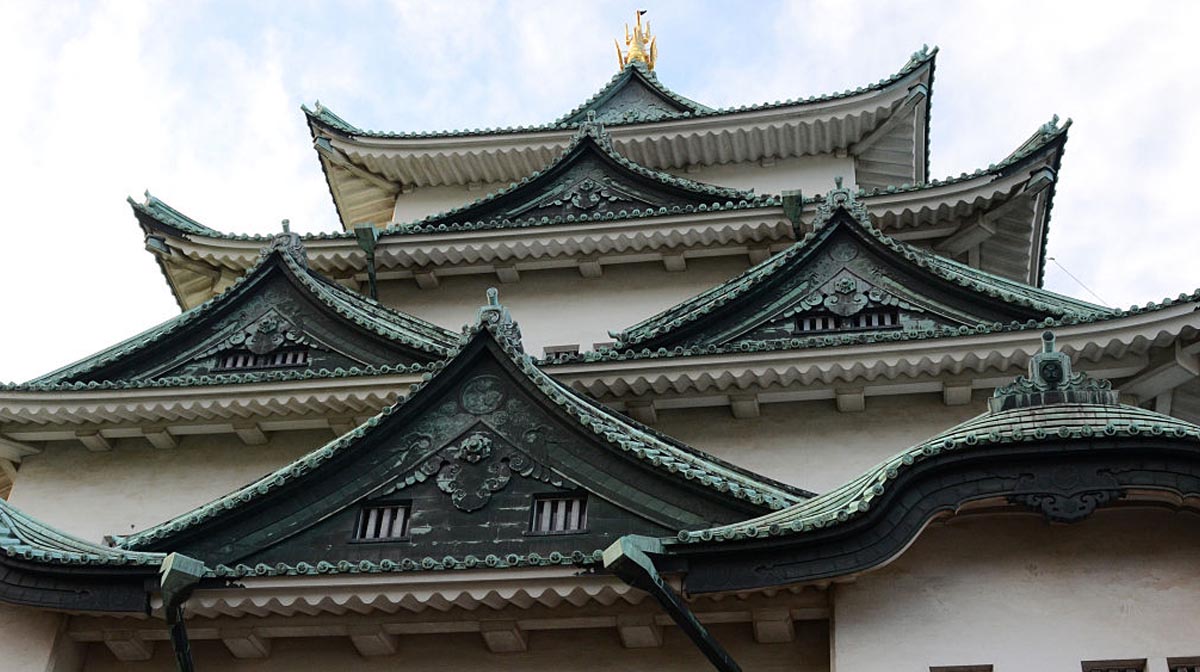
(198, 102)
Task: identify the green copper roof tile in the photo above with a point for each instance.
(367, 314)
(589, 137)
(622, 434)
(22, 536)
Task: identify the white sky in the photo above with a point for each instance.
(199, 102)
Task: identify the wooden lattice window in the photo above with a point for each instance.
(1190, 664)
(243, 359)
(960, 668)
(558, 514)
(1138, 665)
(382, 523)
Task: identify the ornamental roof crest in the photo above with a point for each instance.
(1051, 381)
(288, 243)
(640, 45)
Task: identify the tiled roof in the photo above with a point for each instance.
(622, 434)
(323, 116)
(23, 537)
(367, 314)
(975, 280)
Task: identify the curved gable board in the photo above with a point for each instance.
(464, 499)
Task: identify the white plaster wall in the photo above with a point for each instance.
(810, 174)
(560, 306)
(420, 203)
(136, 485)
(32, 641)
(1025, 596)
(596, 650)
(811, 444)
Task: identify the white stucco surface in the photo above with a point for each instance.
(810, 174)
(811, 444)
(92, 494)
(1026, 596)
(560, 306)
(421, 203)
(31, 641)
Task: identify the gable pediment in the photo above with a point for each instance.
(463, 461)
(280, 317)
(846, 278)
(632, 98)
(590, 181)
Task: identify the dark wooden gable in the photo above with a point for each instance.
(590, 180)
(633, 96)
(466, 457)
(845, 278)
(273, 320)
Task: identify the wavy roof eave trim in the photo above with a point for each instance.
(323, 117)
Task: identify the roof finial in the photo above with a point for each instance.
(1051, 381)
(496, 318)
(641, 44)
(287, 243)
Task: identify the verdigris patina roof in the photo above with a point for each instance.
(45, 568)
(589, 182)
(471, 389)
(279, 304)
(1051, 404)
(633, 95)
(846, 268)
(648, 101)
(26, 538)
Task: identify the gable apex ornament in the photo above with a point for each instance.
(841, 197)
(287, 243)
(495, 318)
(640, 45)
(1051, 381)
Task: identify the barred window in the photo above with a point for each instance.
(876, 319)
(557, 514)
(244, 359)
(1190, 664)
(378, 523)
(1114, 665)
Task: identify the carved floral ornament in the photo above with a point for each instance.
(267, 333)
(476, 466)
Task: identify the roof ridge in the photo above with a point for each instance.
(595, 135)
(842, 199)
(326, 117)
(23, 536)
(438, 341)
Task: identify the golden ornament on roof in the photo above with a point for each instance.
(641, 45)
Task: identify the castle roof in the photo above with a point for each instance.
(579, 443)
(278, 308)
(844, 267)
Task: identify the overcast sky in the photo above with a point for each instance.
(199, 103)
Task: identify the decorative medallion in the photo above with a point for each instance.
(481, 395)
(474, 448)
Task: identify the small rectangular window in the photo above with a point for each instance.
(378, 523)
(1132, 665)
(249, 360)
(1189, 664)
(960, 668)
(558, 515)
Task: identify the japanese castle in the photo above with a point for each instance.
(652, 386)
